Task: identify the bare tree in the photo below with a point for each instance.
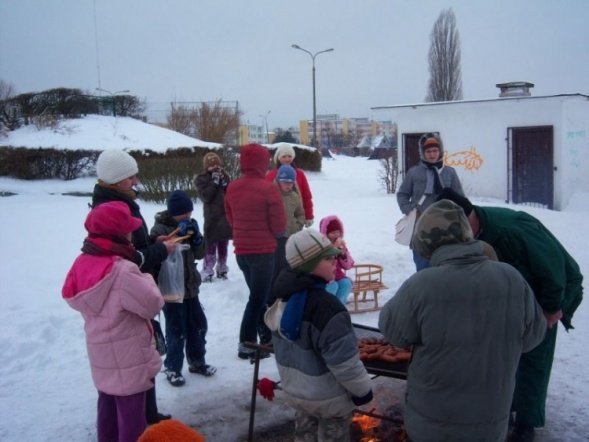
(216, 122)
(181, 120)
(8, 114)
(445, 81)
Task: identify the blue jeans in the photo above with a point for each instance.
(420, 263)
(186, 326)
(258, 271)
(340, 288)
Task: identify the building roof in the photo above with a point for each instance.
(437, 103)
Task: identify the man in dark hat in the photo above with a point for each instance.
(524, 242)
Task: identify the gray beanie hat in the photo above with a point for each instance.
(115, 165)
(306, 248)
(444, 222)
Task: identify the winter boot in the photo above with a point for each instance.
(204, 369)
(222, 275)
(174, 378)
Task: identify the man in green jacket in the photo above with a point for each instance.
(524, 242)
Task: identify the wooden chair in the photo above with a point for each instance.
(367, 278)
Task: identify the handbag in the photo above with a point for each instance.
(158, 335)
(404, 228)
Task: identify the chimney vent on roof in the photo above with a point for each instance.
(515, 89)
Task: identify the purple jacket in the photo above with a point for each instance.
(117, 302)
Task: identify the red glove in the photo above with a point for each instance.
(266, 388)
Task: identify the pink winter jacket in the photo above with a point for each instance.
(344, 262)
(117, 302)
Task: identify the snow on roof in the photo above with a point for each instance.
(293, 145)
(98, 132)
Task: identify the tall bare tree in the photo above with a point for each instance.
(445, 81)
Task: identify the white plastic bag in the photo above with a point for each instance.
(404, 228)
(171, 277)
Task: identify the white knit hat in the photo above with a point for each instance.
(306, 248)
(115, 165)
(283, 150)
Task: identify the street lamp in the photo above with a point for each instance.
(265, 117)
(314, 140)
(112, 96)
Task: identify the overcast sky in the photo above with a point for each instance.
(205, 50)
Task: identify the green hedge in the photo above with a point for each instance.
(159, 173)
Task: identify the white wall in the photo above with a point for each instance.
(474, 135)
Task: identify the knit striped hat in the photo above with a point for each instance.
(305, 249)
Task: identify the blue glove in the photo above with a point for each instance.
(190, 227)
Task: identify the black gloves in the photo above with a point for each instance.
(219, 177)
(362, 400)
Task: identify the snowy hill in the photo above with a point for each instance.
(102, 132)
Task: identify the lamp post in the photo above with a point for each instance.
(265, 117)
(313, 55)
(112, 95)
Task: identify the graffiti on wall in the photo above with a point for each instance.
(470, 159)
(574, 145)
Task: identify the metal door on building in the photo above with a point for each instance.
(532, 165)
(410, 151)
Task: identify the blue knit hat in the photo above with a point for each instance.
(179, 203)
(286, 174)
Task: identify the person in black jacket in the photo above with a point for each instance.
(117, 178)
(211, 186)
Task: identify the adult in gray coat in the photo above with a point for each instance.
(468, 319)
(424, 182)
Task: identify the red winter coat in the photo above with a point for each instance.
(304, 189)
(254, 206)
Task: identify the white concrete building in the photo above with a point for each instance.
(522, 149)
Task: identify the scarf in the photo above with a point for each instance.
(107, 245)
(433, 184)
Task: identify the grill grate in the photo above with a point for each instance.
(380, 368)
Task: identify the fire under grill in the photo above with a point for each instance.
(393, 428)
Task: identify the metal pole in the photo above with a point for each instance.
(314, 139)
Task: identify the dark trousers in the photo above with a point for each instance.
(151, 410)
(531, 382)
(120, 418)
(280, 263)
(258, 271)
(186, 328)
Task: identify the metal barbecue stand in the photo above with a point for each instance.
(375, 368)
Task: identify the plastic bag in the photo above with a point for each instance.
(171, 277)
(404, 228)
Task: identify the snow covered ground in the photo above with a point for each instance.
(45, 387)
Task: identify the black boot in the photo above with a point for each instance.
(521, 433)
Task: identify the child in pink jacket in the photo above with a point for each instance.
(332, 227)
(117, 302)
